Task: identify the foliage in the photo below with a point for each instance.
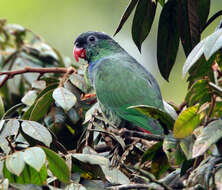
(55, 135)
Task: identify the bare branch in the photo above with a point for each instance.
(41, 71)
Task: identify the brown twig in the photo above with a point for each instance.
(150, 137)
(41, 71)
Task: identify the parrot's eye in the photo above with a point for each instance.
(91, 38)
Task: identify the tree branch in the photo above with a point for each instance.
(211, 19)
(130, 186)
(130, 133)
(41, 71)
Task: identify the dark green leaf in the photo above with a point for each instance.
(159, 164)
(150, 153)
(142, 21)
(203, 11)
(198, 93)
(155, 113)
(41, 106)
(189, 24)
(57, 166)
(168, 38)
(161, 2)
(126, 15)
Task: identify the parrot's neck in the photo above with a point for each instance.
(103, 49)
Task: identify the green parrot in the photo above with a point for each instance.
(118, 79)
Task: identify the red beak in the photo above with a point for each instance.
(79, 53)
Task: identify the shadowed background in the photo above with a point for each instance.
(60, 22)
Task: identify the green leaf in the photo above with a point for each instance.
(208, 136)
(2, 107)
(41, 106)
(142, 21)
(15, 163)
(35, 157)
(186, 145)
(28, 176)
(37, 131)
(57, 165)
(173, 151)
(159, 164)
(198, 93)
(161, 2)
(168, 38)
(155, 113)
(150, 153)
(213, 43)
(126, 15)
(64, 98)
(187, 121)
(189, 24)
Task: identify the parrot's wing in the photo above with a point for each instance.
(121, 83)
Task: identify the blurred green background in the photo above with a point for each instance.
(60, 22)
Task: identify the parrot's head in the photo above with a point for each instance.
(93, 45)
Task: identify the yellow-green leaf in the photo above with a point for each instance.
(187, 121)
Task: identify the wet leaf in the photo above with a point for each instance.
(28, 176)
(29, 97)
(39, 84)
(209, 135)
(142, 21)
(37, 131)
(79, 81)
(57, 165)
(15, 163)
(64, 98)
(113, 175)
(126, 15)
(186, 145)
(35, 157)
(213, 43)
(194, 56)
(168, 38)
(187, 121)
